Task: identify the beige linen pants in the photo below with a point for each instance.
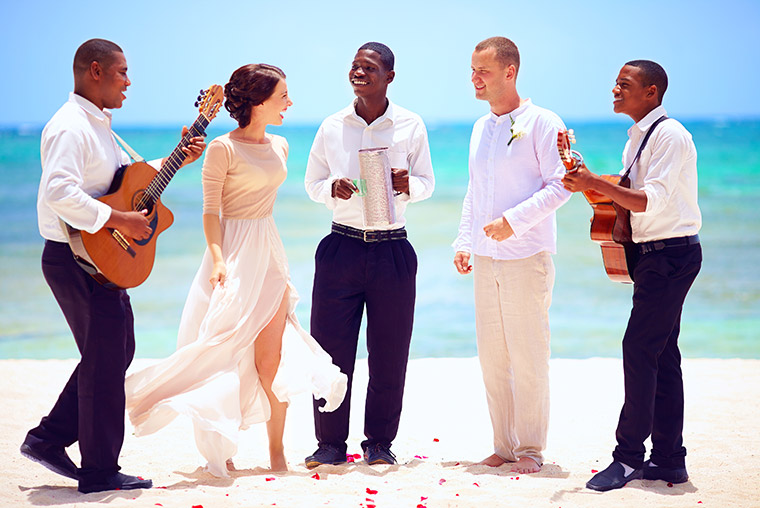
(512, 300)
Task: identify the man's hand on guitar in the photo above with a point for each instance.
(498, 229)
(195, 149)
(578, 180)
(131, 224)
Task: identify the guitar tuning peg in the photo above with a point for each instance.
(197, 104)
(202, 91)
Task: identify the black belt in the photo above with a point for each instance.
(683, 241)
(369, 236)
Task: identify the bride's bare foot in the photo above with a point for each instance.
(526, 465)
(277, 462)
(230, 465)
(492, 461)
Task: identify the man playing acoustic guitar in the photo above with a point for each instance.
(665, 260)
(79, 160)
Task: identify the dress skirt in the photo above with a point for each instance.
(212, 376)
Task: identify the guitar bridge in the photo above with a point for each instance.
(123, 242)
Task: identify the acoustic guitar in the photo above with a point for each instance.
(607, 223)
(114, 259)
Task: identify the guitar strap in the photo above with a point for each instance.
(135, 156)
(621, 232)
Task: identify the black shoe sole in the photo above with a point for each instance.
(312, 464)
(27, 452)
(89, 489)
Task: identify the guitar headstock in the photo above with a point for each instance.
(570, 158)
(210, 101)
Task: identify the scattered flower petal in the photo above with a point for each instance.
(422, 498)
(421, 457)
(268, 478)
(371, 491)
(476, 484)
(441, 481)
(316, 476)
(670, 484)
(594, 471)
(436, 440)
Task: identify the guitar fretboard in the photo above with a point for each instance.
(172, 163)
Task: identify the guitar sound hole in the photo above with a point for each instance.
(141, 201)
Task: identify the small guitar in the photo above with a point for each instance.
(113, 259)
(606, 224)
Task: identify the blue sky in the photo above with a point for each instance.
(571, 53)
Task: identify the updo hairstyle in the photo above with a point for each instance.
(249, 86)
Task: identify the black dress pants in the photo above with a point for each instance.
(654, 399)
(90, 409)
(349, 276)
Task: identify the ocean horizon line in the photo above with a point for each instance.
(30, 128)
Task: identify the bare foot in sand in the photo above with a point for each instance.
(230, 465)
(277, 462)
(526, 465)
(492, 461)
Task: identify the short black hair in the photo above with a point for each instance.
(95, 50)
(652, 73)
(386, 55)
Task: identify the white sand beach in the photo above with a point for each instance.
(444, 431)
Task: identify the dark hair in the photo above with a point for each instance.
(506, 51)
(386, 55)
(249, 86)
(95, 50)
(652, 73)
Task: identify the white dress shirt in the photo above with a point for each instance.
(667, 172)
(520, 181)
(79, 158)
(335, 155)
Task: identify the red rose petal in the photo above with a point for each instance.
(197, 506)
(476, 484)
(436, 440)
(315, 476)
(670, 484)
(371, 491)
(268, 478)
(421, 506)
(441, 481)
(422, 498)
(159, 504)
(349, 458)
(357, 456)
(594, 471)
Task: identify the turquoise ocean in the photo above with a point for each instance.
(721, 318)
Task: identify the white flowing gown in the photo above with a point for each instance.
(212, 376)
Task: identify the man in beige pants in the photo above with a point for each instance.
(508, 224)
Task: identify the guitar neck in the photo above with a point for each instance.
(172, 163)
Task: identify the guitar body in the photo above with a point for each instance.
(603, 226)
(607, 224)
(119, 261)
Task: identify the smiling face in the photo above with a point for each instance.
(113, 81)
(368, 76)
(270, 112)
(492, 79)
(630, 96)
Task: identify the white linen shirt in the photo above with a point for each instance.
(667, 172)
(79, 158)
(520, 181)
(335, 154)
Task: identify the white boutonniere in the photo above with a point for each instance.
(516, 133)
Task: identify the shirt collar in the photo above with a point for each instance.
(389, 115)
(513, 114)
(644, 124)
(99, 114)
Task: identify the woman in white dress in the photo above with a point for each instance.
(241, 352)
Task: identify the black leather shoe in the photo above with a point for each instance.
(378, 453)
(52, 457)
(325, 454)
(612, 478)
(118, 481)
(666, 474)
